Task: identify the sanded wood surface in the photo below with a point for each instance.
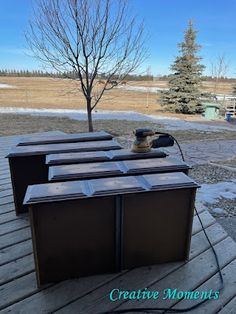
(69, 190)
(32, 150)
(118, 168)
(121, 154)
(65, 138)
(19, 292)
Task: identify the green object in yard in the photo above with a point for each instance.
(211, 111)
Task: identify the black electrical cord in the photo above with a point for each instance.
(170, 310)
(181, 152)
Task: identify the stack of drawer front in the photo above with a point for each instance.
(27, 160)
(96, 226)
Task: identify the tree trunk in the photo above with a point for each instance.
(89, 114)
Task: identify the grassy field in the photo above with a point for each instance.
(61, 93)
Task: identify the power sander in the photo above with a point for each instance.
(143, 145)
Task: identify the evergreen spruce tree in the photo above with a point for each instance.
(183, 95)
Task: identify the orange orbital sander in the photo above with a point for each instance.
(143, 145)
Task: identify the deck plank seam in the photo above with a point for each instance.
(21, 299)
(7, 212)
(2, 213)
(10, 191)
(5, 187)
(226, 305)
(27, 226)
(17, 277)
(8, 204)
(11, 220)
(18, 257)
(205, 226)
(15, 243)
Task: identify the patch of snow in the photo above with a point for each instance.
(6, 86)
(223, 96)
(142, 89)
(219, 211)
(152, 89)
(212, 193)
(170, 123)
(79, 114)
(178, 124)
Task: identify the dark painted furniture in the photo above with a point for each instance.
(98, 226)
(64, 138)
(111, 155)
(116, 168)
(27, 164)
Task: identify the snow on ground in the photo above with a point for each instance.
(219, 211)
(151, 89)
(6, 86)
(142, 88)
(170, 123)
(212, 193)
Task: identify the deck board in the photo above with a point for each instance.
(8, 217)
(15, 237)
(17, 268)
(5, 174)
(6, 208)
(5, 181)
(6, 199)
(6, 187)
(7, 192)
(229, 308)
(19, 292)
(225, 295)
(14, 225)
(15, 251)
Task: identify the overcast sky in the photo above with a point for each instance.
(165, 22)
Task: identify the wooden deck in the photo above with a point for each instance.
(90, 295)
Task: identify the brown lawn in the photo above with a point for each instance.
(61, 93)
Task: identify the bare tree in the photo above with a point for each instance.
(93, 40)
(219, 70)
